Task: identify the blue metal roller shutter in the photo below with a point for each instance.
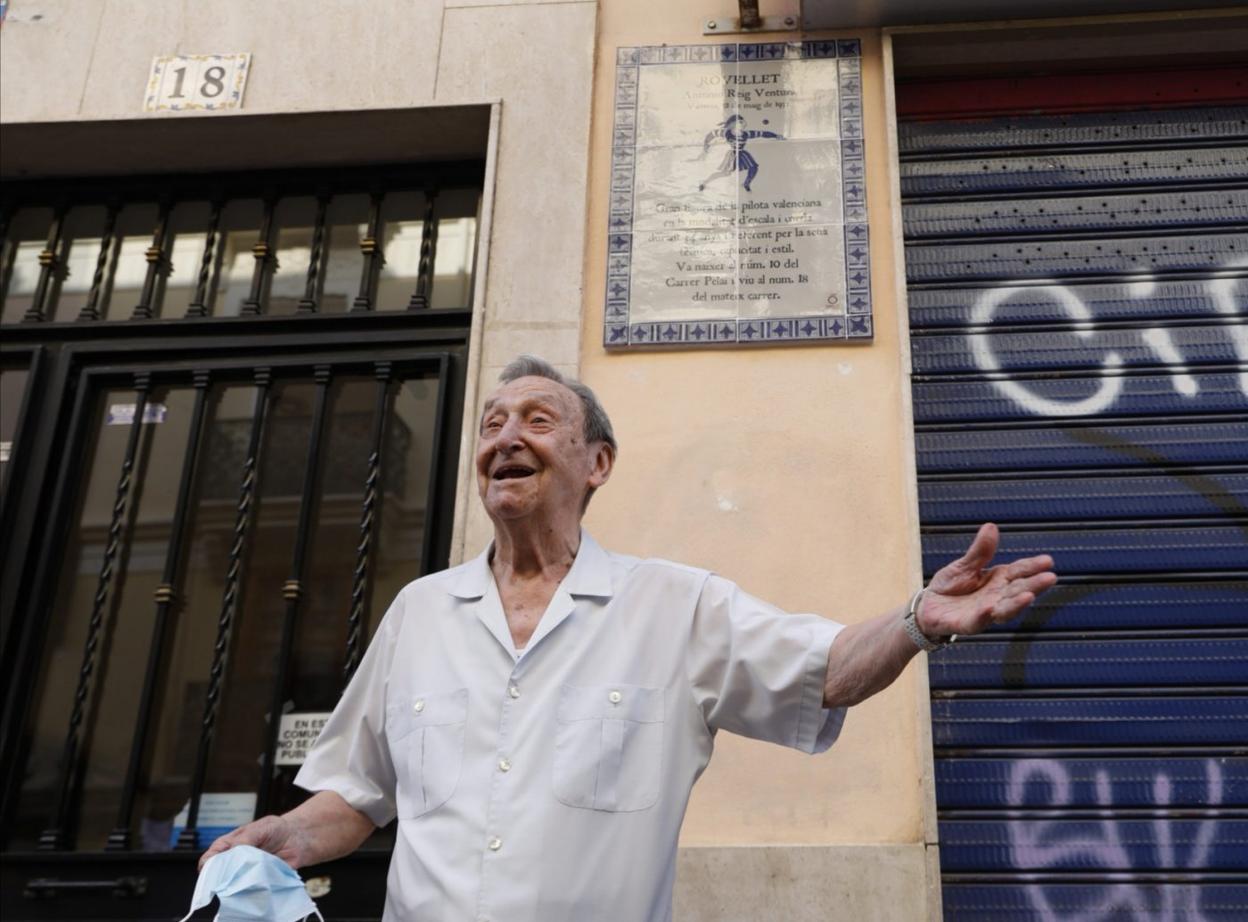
(1078, 300)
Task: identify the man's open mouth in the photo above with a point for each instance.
(513, 472)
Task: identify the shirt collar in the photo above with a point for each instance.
(590, 574)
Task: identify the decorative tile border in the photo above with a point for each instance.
(854, 322)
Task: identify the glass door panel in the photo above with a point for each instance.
(296, 229)
(346, 224)
(176, 731)
(235, 261)
(136, 226)
(403, 222)
(184, 251)
(455, 262)
(399, 545)
(20, 269)
(81, 239)
(241, 733)
(102, 619)
(12, 393)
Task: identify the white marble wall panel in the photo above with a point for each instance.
(90, 58)
(538, 59)
(45, 57)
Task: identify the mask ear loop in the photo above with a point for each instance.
(197, 906)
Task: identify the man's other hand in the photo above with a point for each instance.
(322, 828)
(968, 596)
(274, 834)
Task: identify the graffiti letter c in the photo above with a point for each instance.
(981, 348)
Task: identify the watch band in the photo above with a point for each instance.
(910, 623)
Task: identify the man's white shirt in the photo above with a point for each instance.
(549, 784)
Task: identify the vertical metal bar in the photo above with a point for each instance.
(188, 838)
(19, 448)
(428, 252)
(48, 263)
(8, 252)
(199, 304)
(292, 590)
(435, 467)
(369, 514)
(263, 252)
(156, 259)
(91, 310)
(55, 836)
(119, 838)
(110, 277)
(373, 256)
(25, 618)
(308, 303)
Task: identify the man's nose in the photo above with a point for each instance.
(508, 438)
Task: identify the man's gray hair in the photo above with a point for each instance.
(597, 424)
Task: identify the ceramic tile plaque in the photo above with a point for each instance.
(738, 208)
(201, 83)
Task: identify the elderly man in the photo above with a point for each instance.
(536, 717)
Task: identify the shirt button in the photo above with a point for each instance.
(504, 765)
(495, 843)
(513, 690)
(615, 697)
(418, 705)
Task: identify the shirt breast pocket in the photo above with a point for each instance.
(609, 747)
(426, 737)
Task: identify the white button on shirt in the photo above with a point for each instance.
(632, 669)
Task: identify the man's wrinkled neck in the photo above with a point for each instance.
(529, 549)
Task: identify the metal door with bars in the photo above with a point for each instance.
(230, 439)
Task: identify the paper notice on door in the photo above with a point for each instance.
(296, 735)
(122, 414)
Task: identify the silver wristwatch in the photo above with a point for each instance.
(921, 640)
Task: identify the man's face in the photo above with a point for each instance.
(532, 458)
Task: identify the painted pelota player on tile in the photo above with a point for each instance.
(733, 133)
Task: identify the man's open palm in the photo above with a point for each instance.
(968, 596)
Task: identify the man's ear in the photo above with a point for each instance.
(603, 462)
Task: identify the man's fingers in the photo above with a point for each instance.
(1033, 584)
(1009, 608)
(220, 845)
(1029, 566)
(982, 549)
(259, 833)
(1020, 593)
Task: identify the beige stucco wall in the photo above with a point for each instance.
(787, 469)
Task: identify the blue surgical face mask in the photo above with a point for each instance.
(252, 885)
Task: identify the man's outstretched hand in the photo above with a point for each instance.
(968, 596)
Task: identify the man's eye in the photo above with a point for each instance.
(492, 425)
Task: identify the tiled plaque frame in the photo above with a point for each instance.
(854, 322)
